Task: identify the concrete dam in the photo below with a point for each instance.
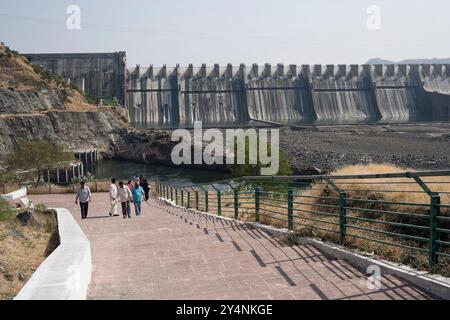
(99, 75)
(229, 95)
(293, 94)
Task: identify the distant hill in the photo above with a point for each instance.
(410, 61)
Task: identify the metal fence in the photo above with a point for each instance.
(409, 211)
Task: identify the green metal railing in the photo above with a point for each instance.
(409, 210)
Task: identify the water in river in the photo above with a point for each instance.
(105, 169)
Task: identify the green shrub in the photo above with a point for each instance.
(5, 177)
(40, 207)
(38, 68)
(51, 226)
(110, 101)
(91, 100)
(6, 211)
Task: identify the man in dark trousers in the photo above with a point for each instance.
(84, 195)
(145, 186)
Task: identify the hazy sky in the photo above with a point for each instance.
(232, 31)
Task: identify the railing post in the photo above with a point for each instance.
(176, 196)
(171, 193)
(257, 195)
(206, 201)
(435, 201)
(236, 204)
(219, 203)
(290, 209)
(196, 200)
(434, 213)
(189, 200)
(342, 216)
(182, 198)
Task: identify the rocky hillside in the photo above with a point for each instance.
(22, 90)
(34, 105)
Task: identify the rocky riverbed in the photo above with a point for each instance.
(423, 146)
(419, 146)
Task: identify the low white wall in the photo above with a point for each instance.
(22, 192)
(66, 273)
(434, 284)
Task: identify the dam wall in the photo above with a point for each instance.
(152, 96)
(211, 95)
(99, 75)
(236, 94)
(277, 94)
(398, 93)
(343, 93)
(288, 94)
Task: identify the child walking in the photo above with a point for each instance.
(138, 194)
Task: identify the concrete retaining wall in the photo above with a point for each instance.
(15, 194)
(434, 284)
(66, 273)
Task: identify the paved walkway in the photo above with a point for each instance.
(169, 253)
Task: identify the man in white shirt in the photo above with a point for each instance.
(124, 196)
(85, 196)
(113, 198)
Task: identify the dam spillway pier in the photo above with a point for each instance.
(285, 94)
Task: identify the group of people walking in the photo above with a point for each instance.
(124, 193)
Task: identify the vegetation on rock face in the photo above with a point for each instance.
(105, 101)
(37, 157)
(66, 88)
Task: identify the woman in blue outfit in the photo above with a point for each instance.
(138, 194)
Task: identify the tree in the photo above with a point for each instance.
(240, 170)
(38, 157)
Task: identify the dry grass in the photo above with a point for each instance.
(76, 102)
(17, 73)
(395, 190)
(23, 248)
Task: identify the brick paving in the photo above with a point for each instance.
(171, 253)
